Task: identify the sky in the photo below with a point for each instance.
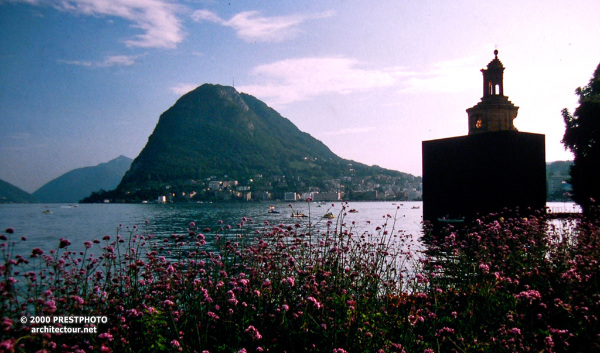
(84, 81)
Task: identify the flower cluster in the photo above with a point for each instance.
(500, 284)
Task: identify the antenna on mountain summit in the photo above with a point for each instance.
(233, 82)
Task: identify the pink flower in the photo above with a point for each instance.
(8, 345)
(529, 295)
(315, 302)
(7, 323)
(253, 332)
(289, 280)
(106, 335)
(78, 299)
(515, 331)
(420, 278)
(446, 330)
(50, 306)
(213, 315)
(63, 243)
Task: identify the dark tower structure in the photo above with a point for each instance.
(492, 168)
(495, 112)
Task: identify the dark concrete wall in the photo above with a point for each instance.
(479, 174)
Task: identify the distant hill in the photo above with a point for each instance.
(12, 194)
(557, 175)
(79, 183)
(558, 168)
(216, 133)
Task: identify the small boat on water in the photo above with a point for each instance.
(298, 214)
(328, 215)
(354, 210)
(46, 211)
(415, 207)
(273, 210)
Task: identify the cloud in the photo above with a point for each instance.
(20, 136)
(156, 18)
(119, 60)
(351, 131)
(78, 62)
(30, 2)
(250, 26)
(109, 61)
(183, 88)
(205, 15)
(294, 80)
(449, 76)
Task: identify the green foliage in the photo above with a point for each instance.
(582, 137)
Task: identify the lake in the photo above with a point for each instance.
(44, 224)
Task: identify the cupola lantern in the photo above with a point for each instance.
(492, 77)
(495, 112)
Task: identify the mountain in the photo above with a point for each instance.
(79, 183)
(216, 130)
(215, 133)
(12, 194)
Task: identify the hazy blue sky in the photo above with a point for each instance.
(84, 81)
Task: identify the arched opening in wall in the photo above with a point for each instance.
(497, 89)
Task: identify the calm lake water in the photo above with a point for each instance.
(44, 224)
